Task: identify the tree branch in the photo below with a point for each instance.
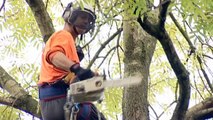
(103, 46)
(205, 74)
(2, 6)
(159, 32)
(163, 13)
(42, 18)
(202, 110)
(22, 100)
(19, 99)
(145, 24)
(183, 32)
(7, 101)
(106, 55)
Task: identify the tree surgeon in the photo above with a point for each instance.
(59, 58)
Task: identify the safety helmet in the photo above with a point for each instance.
(71, 13)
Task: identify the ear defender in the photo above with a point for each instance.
(67, 12)
(70, 15)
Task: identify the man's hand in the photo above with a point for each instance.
(81, 73)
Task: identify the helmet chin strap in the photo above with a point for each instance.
(75, 30)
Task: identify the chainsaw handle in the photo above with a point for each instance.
(69, 78)
(72, 78)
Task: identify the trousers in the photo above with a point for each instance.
(52, 101)
(53, 109)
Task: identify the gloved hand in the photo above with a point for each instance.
(81, 73)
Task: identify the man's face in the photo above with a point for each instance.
(82, 22)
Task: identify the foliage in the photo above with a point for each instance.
(198, 13)
(111, 104)
(20, 36)
(9, 113)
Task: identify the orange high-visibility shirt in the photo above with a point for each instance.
(61, 41)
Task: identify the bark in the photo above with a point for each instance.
(19, 98)
(182, 75)
(42, 18)
(201, 111)
(158, 31)
(139, 49)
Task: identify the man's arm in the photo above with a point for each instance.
(61, 61)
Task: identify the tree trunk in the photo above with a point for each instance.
(139, 49)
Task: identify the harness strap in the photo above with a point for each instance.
(74, 112)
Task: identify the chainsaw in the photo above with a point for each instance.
(92, 89)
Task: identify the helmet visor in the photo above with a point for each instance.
(78, 19)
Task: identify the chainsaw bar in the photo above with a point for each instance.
(129, 81)
(98, 83)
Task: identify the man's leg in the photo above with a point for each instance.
(53, 110)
